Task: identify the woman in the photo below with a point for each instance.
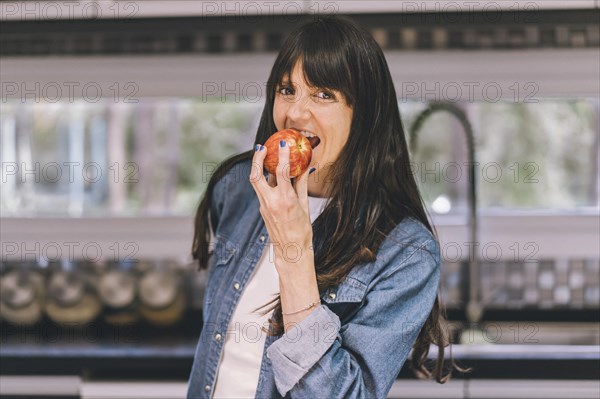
(343, 259)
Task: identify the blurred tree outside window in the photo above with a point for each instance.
(528, 156)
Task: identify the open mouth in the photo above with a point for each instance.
(313, 139)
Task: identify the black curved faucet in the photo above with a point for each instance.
(474, 306)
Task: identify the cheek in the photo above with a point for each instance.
(342, 129)
(279, 113)
(348, 113)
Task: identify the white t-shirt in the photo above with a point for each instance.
(237, 375)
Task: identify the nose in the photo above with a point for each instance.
(298, 108)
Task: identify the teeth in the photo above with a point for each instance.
(307, 134)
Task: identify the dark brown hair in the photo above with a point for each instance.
(372, 186)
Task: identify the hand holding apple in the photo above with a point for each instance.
(285, 210)
(300, 151)
(284, 206)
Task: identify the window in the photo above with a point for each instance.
(150, 158)
(155, 157)
(528, 156)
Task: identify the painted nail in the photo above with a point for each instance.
(311, 170)
(282, 143)
(256, 147)
(262, 147)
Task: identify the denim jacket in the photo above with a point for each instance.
(354, 344)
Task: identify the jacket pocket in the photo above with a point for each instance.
(345, 298)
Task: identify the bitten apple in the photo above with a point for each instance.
(300, 151)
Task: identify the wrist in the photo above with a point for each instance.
(294, 259)
(294, 253)
(291, 321)
(298, 292)
(311, 305)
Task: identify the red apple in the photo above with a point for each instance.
(300, 151)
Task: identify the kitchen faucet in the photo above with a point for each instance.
(474, 306)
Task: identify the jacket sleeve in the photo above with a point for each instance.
(361, 359)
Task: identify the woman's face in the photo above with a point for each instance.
(321, 112)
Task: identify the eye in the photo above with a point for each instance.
(325, 95)
(285, 90)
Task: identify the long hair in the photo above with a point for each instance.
(372, 187)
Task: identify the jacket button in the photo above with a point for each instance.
(236, 286)
(217, 337)
(207, 388)
(262, 238)
(332, 295)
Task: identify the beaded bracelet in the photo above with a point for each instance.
(303, 309)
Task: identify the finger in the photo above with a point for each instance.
(272, 180)
(257, 178)
(301, 188)
(282, 171)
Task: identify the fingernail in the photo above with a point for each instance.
(256, 147)
(311, 170)
(282, 143)
(262, 147)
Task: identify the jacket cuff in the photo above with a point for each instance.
(301, 347)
